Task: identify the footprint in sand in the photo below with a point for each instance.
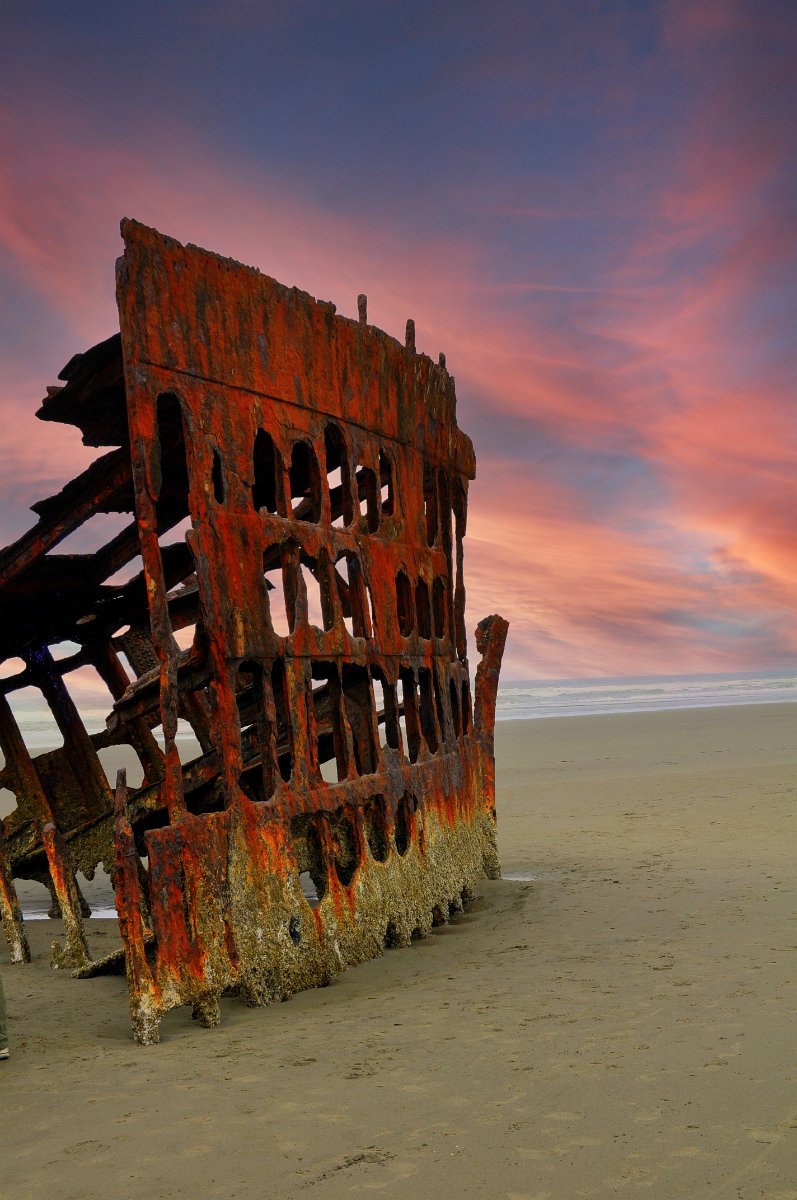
(765, 1137)
(362, 1070)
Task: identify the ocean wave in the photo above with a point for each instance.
(585, 697)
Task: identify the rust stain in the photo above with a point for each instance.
(297, 488)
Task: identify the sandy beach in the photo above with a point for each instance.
(614, 1018)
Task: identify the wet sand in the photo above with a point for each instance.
(617, 1019)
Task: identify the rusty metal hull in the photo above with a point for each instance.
(309, 629)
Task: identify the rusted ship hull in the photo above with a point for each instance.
(309, 629)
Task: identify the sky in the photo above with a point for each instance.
(590, 207)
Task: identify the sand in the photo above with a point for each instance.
(616, 1020)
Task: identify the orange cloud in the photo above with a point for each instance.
(633, 507)
(602, 600)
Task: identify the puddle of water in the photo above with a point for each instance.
(40, 914)
(528, 876)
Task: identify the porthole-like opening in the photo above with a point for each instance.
(420, 832)
(62, 650)
(338, 477)
(268, 473)
(309, 850)
(404, 604)
(439, 705)
(256, 723)
(8, 801)
(344, 841)
(290, 556)
(358, 702)
(386, 501)
(375, 828)
(439, 607)
(409, 705)
(331, 743)
(430, 503)
(252, 701)
(343, 583)
(279, 690)
(454, 706)
(185, 739)
(316, 582)
(217, 477)
(422, 611)
(400, 709)
(402, 825)
(459, 632)
(445, 511)
(171, 470)
(37, 724)
(427, 709)
(350, 586)
(90, 695)
(169, 476)
(372, 609)
(249, 696)
(39, 899)
(465, 692)
(275, 592)
(367, 496)
(305, 483)
(379, 694)
(386, 710)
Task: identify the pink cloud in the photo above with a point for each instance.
(647, 365)
(604, 600)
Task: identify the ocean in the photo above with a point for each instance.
(521, 699)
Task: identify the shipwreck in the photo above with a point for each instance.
(288, 589)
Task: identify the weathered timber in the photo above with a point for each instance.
(291, 588)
